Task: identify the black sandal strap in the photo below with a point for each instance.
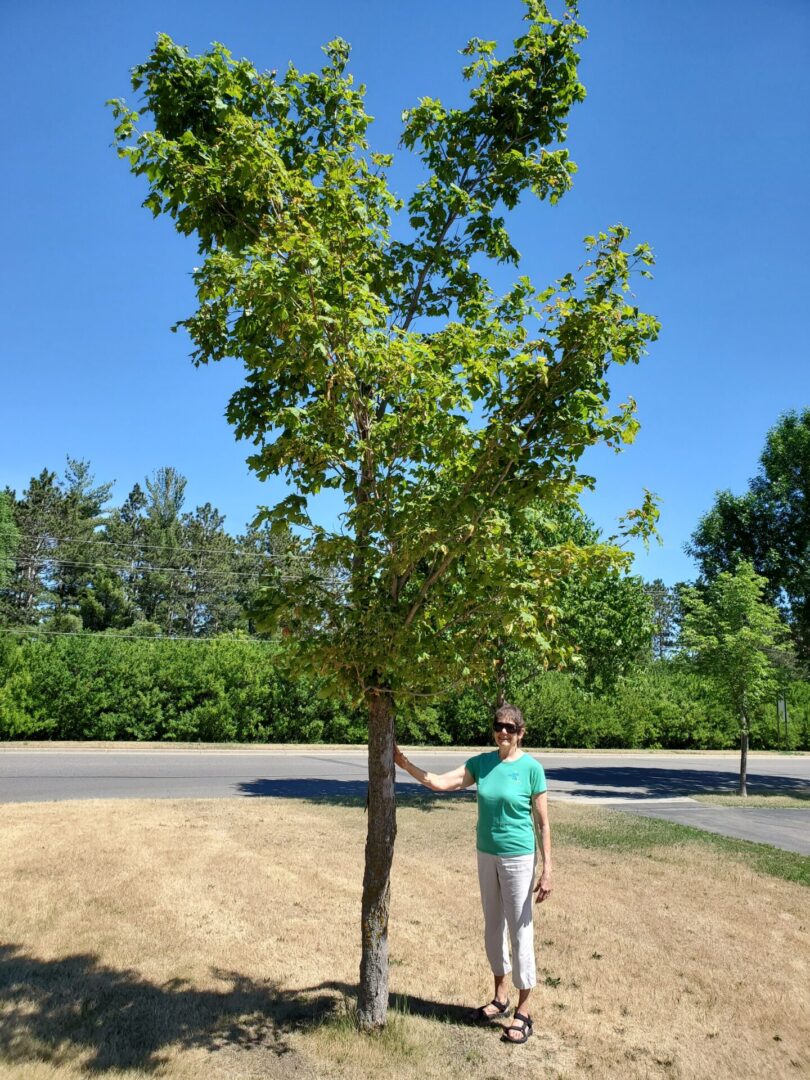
(525, 1029)
(481, 1012)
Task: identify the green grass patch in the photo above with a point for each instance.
(393, 1043)
(617, 831)
(795, 800)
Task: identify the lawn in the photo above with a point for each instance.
(798, 800)
(220, 938)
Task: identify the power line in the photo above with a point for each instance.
(238, 552)
(287, 574)
(133, 567)
(88, 635)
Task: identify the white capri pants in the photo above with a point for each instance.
(506, 896)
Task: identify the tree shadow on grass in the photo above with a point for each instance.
(410, 1004)
(53, 1009)
(344, 792)
(627, 782)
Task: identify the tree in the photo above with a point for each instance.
(211, 589)
(665, 609)
(104, 603)
(56, 519)
(737, 637)
(604, 611)
(769, 525)
(266, 553)
(389, 369)
(76, 552)
(38, 517)
(9, 537)
(608, 619)
(160, 583)
(601, 613)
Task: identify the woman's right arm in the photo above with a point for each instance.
(454, 780)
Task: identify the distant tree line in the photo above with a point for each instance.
(70, 562)
(80, 579)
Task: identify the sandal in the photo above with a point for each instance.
(479, 1015)
(525, 1029)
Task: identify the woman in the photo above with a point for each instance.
(509, 783)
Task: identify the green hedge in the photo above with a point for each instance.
(659, 706)
(232, 689)
(97, 686)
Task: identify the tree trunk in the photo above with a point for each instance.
(372, 1003)
(500, 673)
(743, 791)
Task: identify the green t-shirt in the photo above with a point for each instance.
(505, 791)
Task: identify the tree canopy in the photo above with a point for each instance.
(388, 369)
(768, 525)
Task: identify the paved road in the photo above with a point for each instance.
(654, 784)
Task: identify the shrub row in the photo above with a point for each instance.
(232, 689)
(226, 689)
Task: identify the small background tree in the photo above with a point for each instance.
(601, 614)
(665, 615)
(739, 639)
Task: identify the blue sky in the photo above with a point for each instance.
(695, 133)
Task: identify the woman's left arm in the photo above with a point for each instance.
(543, 886)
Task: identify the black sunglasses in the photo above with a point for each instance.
(510, 729)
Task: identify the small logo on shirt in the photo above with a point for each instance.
(514, 776)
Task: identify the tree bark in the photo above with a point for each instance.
(372, 1003)
(743, 790)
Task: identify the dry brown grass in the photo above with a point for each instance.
(205, 939)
